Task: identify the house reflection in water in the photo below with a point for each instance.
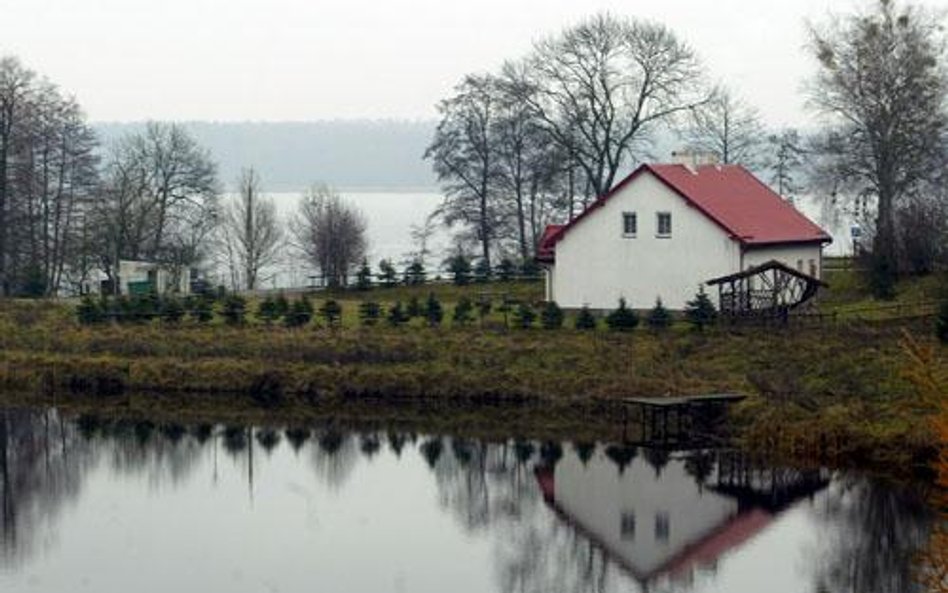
(663, 520)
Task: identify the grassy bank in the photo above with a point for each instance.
(837, 392)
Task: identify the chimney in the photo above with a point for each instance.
(692, 159)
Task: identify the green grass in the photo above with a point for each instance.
(837, 390)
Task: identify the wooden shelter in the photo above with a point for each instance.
(770, 290)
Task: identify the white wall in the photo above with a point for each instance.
(790, 255)
(595, 264)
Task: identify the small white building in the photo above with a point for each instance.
(666, 229)
(141, 276)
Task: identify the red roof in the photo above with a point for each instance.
(738, 202)
(545, 251)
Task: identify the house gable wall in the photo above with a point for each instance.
(596, 264)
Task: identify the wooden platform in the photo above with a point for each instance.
(684, 400)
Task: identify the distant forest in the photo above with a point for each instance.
(289, 156)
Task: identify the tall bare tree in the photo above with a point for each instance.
(601, 87)
(251, 231)
(160, 199)
(330, 233)
(728, 127)
(464, 155)
(882, 88)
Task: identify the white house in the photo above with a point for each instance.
(666, 229)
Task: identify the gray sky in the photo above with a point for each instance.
(318, 59)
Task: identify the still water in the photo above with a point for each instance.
(118, 506)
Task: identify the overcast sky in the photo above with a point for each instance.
(318, 59)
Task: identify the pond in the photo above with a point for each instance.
(121, 505)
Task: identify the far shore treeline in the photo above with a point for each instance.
(529, 144)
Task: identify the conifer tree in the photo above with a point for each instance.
(659, 318)
(387, 274)
(434, 313)
(585, 320)
(552, 316)
(524, 316)
(623, 318)
(369, 312)
(267, 310)
(700, 311)
(364, 276)
(396, 315)
(331, 312)
(463, 311)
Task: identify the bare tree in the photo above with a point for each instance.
(251, 230)
(600, 87)
(882, 88)
(463, 154)
(728, 127)
(160, 199)
(330, 233)
(785, 160)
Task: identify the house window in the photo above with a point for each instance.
(662, 527)
(627, 526)
(799, 265)
(630, 224)
(664, 224)
(813, 270)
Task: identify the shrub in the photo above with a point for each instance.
(396, 315)
(484, 307)
(364, 276)
(387, 274)
(434, 313)
(506, 269)
(941, 322)
(463, 311)
(459, 267)
(659, 318)
(267, 310)
(585, 320)
(524, 316)
(143, 307)
(415, 274)
(552, 316)
(331, 312)
(172, 311)
(202, 309)
(482, 271)
(300, 313)
(89, 311)
(700, 311)
(369, 312)
(623, 318)
(234, 309)
(281, 305)
(414, 308)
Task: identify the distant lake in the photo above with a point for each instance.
(115, 506)
(390, 216)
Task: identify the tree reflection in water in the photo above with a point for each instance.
(874, 534)
(541, 543)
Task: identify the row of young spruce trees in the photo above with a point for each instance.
(272, 310)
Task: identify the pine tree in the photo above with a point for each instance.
(396, 315)
(659, 318)
(364, 276)
(172, 311)
(281, 305)
(414, 308)
(202, 310)
(941, 322)
(331, 312)
(585, 320)
(267, 310)
(88, 312)
(506, 270)
(234, 309)
(700, 311)
(459, 267)
(434, 313)
(623, 318)
(552, 316)
(415, 274)
(482, 271)
(524, 316)
(300, 313)
(387, 274)
(369, 312)
(463, 311)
